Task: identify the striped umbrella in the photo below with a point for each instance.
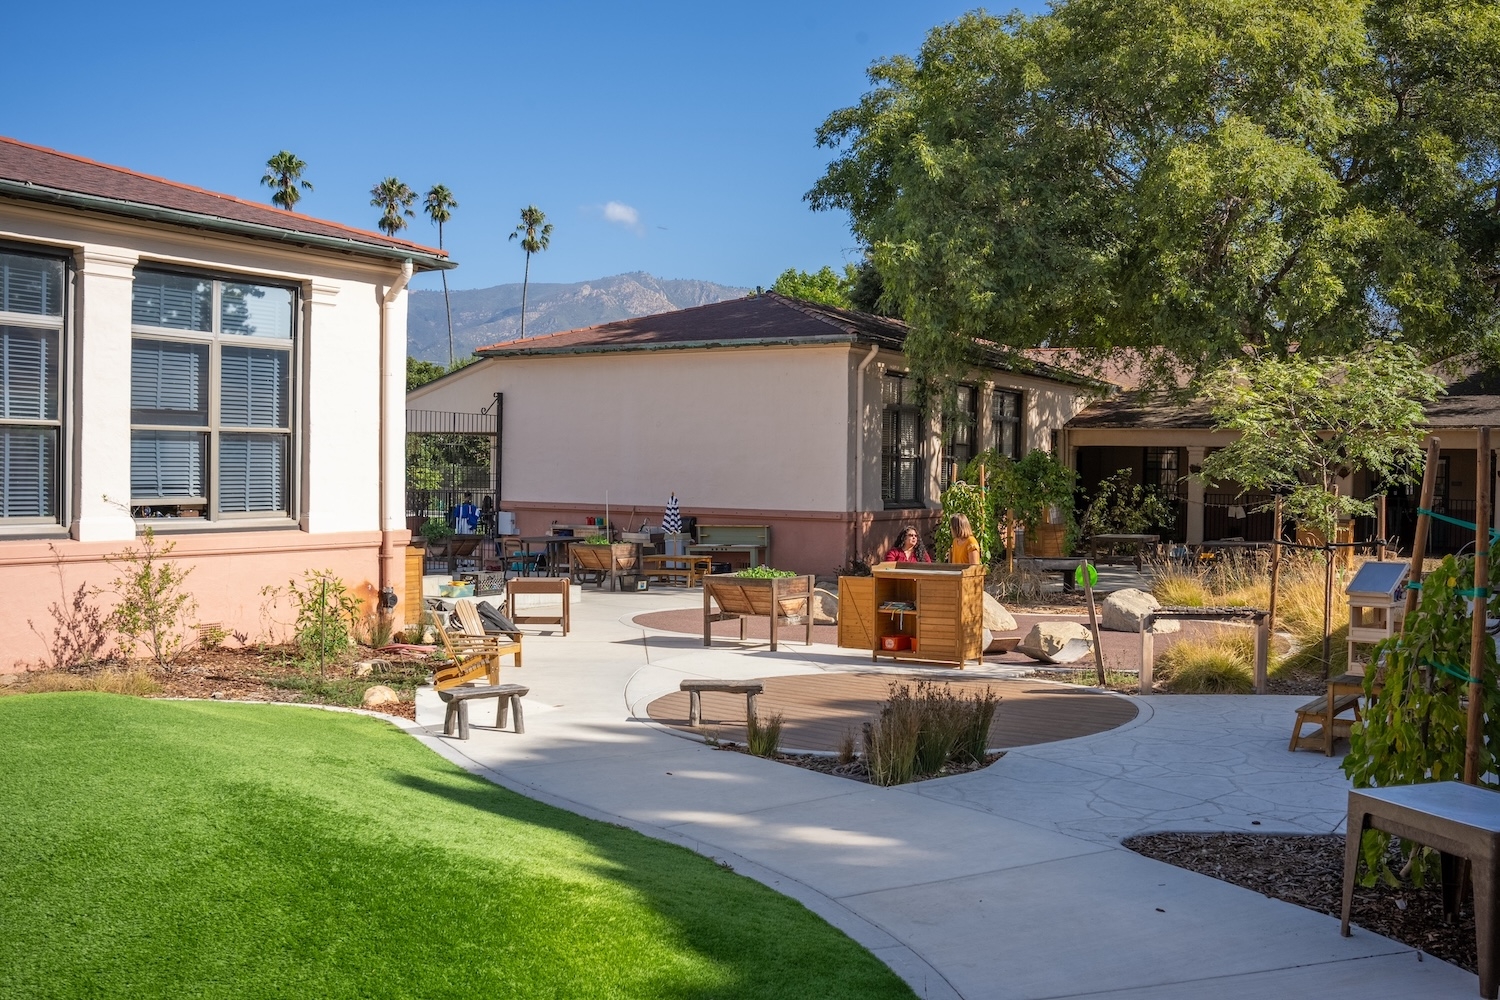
(671, 521)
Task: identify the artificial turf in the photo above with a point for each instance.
(196, 849)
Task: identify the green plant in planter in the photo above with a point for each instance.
(765, 573)
(1414, 729)
(596, 540)
(436, 529)
(1125, 508)
(1028, 488)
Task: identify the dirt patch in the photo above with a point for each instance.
(855, 769)
(1309, 871)
(270, 674)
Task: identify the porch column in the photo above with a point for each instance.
(1195, 454)
(101, 397)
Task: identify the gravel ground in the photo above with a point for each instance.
(1309, 871)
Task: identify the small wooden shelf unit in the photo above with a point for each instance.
(945, 625)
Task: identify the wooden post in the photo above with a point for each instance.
(1088, 592)
(1380, 529)
(1328, 551)
(1148, 655)
(1262, 652)
(1276, 529)
(1475, 729)
(1424, 523)
(1010, 541)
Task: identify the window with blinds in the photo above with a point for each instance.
(210, 397)
(1005, 423)
(32, 291)
(959, 430)
(900, 444)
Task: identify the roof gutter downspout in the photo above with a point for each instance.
(392, 449)
(859, 450)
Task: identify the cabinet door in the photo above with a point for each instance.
(937, 619)
(857, 612)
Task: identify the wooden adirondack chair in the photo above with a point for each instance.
(472, 654)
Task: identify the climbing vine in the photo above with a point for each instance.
(1414, 728)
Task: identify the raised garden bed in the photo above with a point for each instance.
(782, 599)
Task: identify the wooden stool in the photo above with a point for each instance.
(508, 696)
(695, 689)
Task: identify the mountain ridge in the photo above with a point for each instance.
(483, 316)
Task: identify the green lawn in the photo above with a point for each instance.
(193, 849)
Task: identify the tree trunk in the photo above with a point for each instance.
(447, 306)
(524, 282)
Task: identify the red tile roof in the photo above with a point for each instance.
(43, 174)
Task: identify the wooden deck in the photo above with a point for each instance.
(820, 708)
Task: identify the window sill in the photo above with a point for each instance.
(193, 525)
(33, 532)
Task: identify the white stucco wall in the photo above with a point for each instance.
(337, 379)
(744, 428)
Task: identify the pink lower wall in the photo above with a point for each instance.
(228, 572)
(819, 542)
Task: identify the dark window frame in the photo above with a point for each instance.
(959, 439)
(899, 412)
(999, 419)
(59, 373)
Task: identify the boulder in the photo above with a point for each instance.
(379, 695)
(996, 618)
(364, 668)
(1124, 610)
(825, 607)
(1057, 642)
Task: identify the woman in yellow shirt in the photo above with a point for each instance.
(965, 545)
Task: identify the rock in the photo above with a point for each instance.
(996, 618)
(825, 608)
(1057, 642)
(1124, 610)
(217, 696)
(379, 695)
(6, 680)
(364, 668)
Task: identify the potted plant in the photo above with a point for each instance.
(1037, 491)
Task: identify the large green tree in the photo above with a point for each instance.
(1188, 179)
(535, 234)
(393, 197)
(439, 205)
(284, 176)
(824, 286)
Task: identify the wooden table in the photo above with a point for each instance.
(1463, 823)
(756, 554)
(559, 585)
(691, 569)
(1136, 542)
(554, 547)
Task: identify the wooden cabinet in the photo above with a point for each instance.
(915, 611)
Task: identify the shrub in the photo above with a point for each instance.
(1218, 665)
(374, 630)
(1122, 507)
(944, 719)
(436, 529)
(846, 747)
(762, 740)
(153, 605)
(974, 739)
(919, 732)
(1020, 584)
(891, 742)
(765, 573)
(80, 630)
(326, 615)
(978, 506)
(129, 682)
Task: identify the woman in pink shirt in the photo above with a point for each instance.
(908, 547)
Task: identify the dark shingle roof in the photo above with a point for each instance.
(33, 173)
(757, 320)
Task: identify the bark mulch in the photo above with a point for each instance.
(1309, 871)
(855, 769)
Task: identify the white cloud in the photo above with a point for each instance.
(619, 212)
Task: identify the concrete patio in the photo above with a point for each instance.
(1007, 882)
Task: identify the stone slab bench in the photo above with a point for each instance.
(1461, 822)
(508, 697)
(695, 689)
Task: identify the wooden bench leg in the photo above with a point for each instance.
(501, 703)
(515, 708)
(450, 717)
(695, 708)
(1486, 926)
(1354, 832)
(750, 706)
(463, 719)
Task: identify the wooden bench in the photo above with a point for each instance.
(508, 697)
(1462, 822)
(559, 586)
(689, 569)
(695, 689)
(1067, 567)
(1321, 710)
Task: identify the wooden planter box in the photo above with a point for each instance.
(1046, 541)
(606, 562)
(784, 600)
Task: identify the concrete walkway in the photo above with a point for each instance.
(1007, 882)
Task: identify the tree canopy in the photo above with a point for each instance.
(824, 286)
(284, 176)
(393, 197)
(1185, 179)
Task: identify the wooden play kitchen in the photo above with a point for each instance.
(915, 611)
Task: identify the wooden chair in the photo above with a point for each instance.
(472, 653)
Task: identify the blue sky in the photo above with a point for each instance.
(695, 120)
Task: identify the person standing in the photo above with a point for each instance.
(965, 546)
(908, 547)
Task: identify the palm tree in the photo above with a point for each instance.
(284, 173)
(395, 199)
(535, 233)
(439, 204)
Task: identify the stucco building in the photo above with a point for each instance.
(762, 410)
(227, 373)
